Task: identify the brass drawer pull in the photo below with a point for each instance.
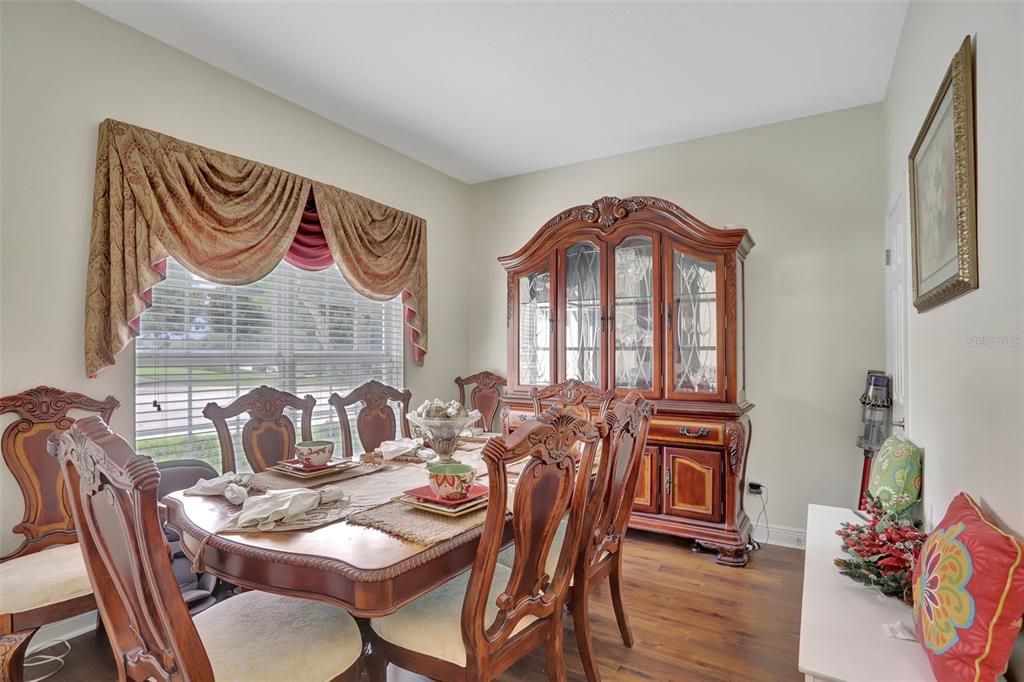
(702, 432)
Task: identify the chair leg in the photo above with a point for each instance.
(556, 651)
(615, 583)
(581, 624)
(12, 655)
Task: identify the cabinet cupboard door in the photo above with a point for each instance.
(646, 497)
(636, 328)
(534, 324)
(581, 311)
(696, 325)
(693, 483)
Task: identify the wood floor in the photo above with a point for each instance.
(692, 620)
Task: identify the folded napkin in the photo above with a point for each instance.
(390, 449)
(232, 486)
(471, 431)
(264, 512)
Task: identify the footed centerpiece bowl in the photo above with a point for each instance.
(442, 423)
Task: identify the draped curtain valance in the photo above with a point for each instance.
(230, 220)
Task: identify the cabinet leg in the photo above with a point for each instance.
(12, 655)
(731, 556)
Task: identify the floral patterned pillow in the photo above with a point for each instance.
(968, 595)
(896, 474)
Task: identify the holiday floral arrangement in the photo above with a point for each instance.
(882, 551)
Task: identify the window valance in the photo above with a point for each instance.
(230, 220)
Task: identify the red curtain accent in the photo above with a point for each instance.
(309, 250)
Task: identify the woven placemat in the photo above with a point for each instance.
(272, 480)
(416, 525)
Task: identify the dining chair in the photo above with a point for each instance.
(572, 394)
(44, 579)
(485, 396)
(251, 636)
(478, 624)
(601, 551)
(269, 434)
(375, 420)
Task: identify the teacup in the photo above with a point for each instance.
(314, 452)
(451, 481)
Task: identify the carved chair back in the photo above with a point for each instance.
(113, 495)
(619, 472)
(41, 411)
(485, 396)
(269, 434)
(572, 394)
(547, 488)
(375, 420)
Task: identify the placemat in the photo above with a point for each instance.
(415, 525)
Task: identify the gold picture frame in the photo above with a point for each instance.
(943, 219)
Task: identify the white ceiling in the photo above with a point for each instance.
(487, 90)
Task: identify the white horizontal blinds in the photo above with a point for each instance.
(297, 331)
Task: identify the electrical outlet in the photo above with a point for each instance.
(755, 488)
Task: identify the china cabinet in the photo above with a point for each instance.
(637, 294)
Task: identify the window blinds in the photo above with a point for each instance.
(294, 330)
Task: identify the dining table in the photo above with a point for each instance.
(365, 570)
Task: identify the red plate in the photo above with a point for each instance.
(425, 493)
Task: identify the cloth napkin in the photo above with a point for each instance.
(396, 448)
(232, 486)
(264, 512)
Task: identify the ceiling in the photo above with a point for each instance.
(487, 90)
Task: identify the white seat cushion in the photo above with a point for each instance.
(257, 636)
(432, 624)
(42, 578)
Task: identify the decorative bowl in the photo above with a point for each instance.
(451, 481)
(442, 433)
(314, 452)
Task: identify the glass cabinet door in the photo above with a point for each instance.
(582, 323)
(535, 325)
(635, 310)
(697, 349)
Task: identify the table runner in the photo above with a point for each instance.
(273, 480)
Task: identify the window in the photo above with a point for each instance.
(297, 331)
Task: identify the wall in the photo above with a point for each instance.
(65, 69)
(811, 193)
(966, 369)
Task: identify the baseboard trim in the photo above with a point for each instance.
(784, 536)
(63, 630)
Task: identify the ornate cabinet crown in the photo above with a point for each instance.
(637, 294)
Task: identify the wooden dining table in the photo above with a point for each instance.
(368, 572)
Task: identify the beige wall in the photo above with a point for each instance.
(966, 405)
(811, 193)
(65, 69)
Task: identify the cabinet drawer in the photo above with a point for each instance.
(693, 483)
(688, 431)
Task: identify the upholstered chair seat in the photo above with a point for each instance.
(43, 578)
(432, 624)
(258, 636)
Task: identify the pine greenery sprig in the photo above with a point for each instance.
(882, 551)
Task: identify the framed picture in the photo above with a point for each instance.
(943, 229)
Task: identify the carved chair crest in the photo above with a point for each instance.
(375, 420)
(269, 435)
(571, 393)
(113, 493)
(485, 396)
(41, 411)
(546, 489)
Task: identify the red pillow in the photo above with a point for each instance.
(968, 595)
